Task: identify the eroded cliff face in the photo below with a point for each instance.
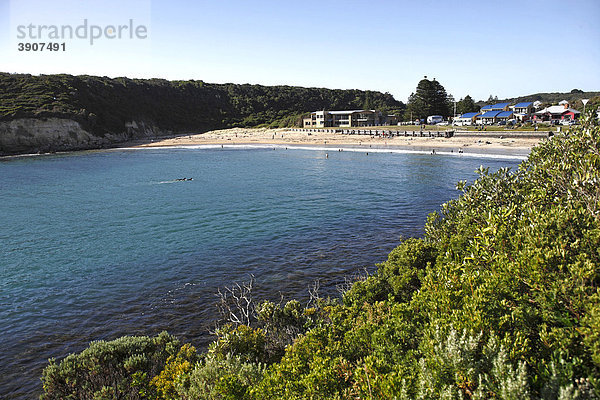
(31, 135)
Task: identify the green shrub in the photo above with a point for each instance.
(227, 377)
(117, 369)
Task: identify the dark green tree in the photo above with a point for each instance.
(430, 98)
(466, 105)
(492, 99)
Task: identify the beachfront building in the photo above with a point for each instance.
(326, 119)
(495, 107)
(466, 119)
(523, 111)
(488, 118)
(504, 116)
(556, 114)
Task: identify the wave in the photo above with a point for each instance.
(438, 152)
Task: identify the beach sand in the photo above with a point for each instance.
(245, 136)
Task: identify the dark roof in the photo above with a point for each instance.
(523, 105)
(504, 114)
(490, 114)
(469, 115)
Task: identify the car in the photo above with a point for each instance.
(568, 122)
(500, 123)
(443, 123)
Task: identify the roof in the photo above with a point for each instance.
(349, 112)
(490, 114)
(469, 115)
(557, 110)
(499, 105)
(504, 114)
(486, 107)
(523, 105)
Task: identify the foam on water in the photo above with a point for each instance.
(503, 155)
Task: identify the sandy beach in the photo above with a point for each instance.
(244, 136)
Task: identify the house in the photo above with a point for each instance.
(505, 116)
(488, 118)
(495, 107)
(466, 119)
(523, 111)
(324, 119)
(555, 114)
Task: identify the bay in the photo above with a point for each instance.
(97, 245)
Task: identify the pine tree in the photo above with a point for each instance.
(430, 98)
(466, 105)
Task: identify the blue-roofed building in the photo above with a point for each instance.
(505, 116)
(495, 107)
(488, 118)
(523, 110)
(465, 119)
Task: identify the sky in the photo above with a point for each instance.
(477, 48)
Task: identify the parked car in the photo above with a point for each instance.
(568, 122)
(500, 123)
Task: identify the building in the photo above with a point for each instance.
(466, 119)
(488, 118)
(556, 114)
(505, 116)
(349, 118)
(495, 107)
(523, 111)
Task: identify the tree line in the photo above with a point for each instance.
(104, 105)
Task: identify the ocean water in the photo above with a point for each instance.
(96, 245)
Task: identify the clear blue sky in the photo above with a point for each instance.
(504, 48)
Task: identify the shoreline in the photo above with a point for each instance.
(470, 145)
(328, 140)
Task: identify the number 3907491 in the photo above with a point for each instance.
(42, 46)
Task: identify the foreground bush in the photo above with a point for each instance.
(500, 299)
(118, 369)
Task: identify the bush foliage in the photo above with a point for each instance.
(500, 299)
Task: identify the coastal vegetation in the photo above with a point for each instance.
(430, 98)
(500, 299)
(105, 105)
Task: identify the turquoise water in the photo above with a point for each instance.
(101, 244)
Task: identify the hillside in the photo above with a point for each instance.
(573, 97)
(64, 112)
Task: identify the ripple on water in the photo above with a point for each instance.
(99, 245)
